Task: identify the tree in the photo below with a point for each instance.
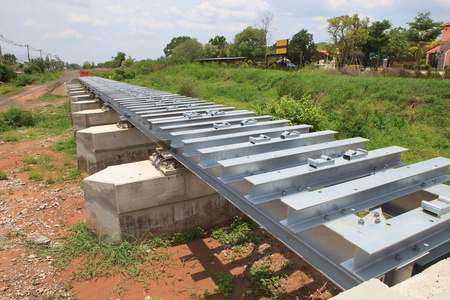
(118, 59)
(190, 49)
(220, 42)
(422, 32)
(87, 65)
(348, 33)
(249, 42)
(398, 45)
(265, 23)
(302, 41)
(378, 38)
(9, 58)
(174, 43)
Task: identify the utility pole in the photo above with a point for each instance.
(40, 51)
(1, 55)
(28, 50)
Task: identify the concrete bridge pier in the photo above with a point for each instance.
(138, 200)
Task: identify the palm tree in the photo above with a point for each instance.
(419, 51)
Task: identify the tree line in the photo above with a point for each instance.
(354, 41)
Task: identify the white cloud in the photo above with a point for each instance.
(73, 18)
(63, 35)
(95, 38)
(359, 4)
(193, 25)
(148, 22)
(118, 10)
(30, 22)
(211, 11)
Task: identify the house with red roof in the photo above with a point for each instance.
(442, 50)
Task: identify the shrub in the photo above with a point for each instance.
(408, 66)
(6, 73)
(425, 67)
(15, 117)
(3, 175)
(447, 73)
(24, 80)
(302, 111)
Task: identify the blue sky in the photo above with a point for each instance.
(95, 30)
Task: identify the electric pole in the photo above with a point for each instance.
(40, 51)
(1, 55)
(28, 50)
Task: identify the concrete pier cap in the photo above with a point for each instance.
(101, 146)
(84, 105)
(93, 117)
(137, 200)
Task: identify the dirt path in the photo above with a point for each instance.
(35, 91)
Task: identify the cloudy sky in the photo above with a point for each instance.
(95, 30)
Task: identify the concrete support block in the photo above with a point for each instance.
(101, 146)
(373, 289)
(136, 199)
(84, 105)
(75, 92)
(83, 97)
(93, 117)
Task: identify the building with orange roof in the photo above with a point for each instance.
(442, 50)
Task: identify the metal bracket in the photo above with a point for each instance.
(221, 125)
(248, 122)
(106, 108)
(215, 112)
(323, 161)
(290, 135)
(352, 154)
(438, 208)
(192, 115)
(124, 123)
(260, 139)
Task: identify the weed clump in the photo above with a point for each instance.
(240, 230)
(264, 279)
(3, 175)
(224, 285)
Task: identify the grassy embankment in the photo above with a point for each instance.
(407, 112)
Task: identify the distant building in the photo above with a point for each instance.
(443, 49)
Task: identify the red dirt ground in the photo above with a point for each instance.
(30, 210)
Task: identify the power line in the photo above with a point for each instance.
(42, 53)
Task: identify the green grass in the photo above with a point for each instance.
(18, 125)
(3, 175)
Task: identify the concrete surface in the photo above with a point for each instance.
(93, 117)
(433, 284)
(82, 97)
(101, 146)
(429, 283)
(84, 105)
(136, 199)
